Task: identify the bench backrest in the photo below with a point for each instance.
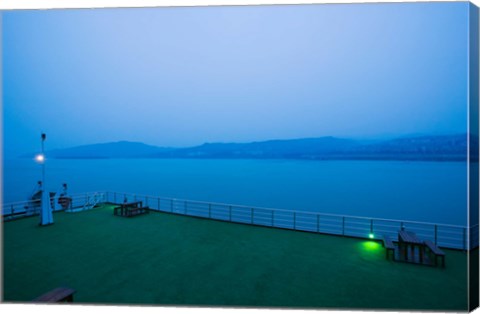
(55, 295)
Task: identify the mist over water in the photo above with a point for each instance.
(185, 76)
(423, 191)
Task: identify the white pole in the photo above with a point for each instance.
(46, 217)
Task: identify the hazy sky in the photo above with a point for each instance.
(184, 76)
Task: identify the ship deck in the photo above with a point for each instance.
(166, 259)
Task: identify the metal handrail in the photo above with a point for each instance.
(295, 211)
(453, 236)
(25, 208)
(446, 235)
(70, 195)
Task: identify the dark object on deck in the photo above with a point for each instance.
(130, 209)
(436, 252)
(65, 202)
(52, 199)
(60, 294)
(388, 244)
(35, 200)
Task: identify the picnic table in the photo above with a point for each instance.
(130, 209)
(408, 239)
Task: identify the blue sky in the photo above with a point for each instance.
(185, 76)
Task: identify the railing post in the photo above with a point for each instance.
(371, 226)
(171, 206)
(343, 225)
(230, 213)
(294, 220)
(209, 210)
(158, 203)
(402, 226)
(436, 234)
(114, 197)
(273, 218)
(318, 223)
(251, 215)
(186, 209)
(464, 238)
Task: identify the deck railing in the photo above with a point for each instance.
(444, 235)
(30, 208)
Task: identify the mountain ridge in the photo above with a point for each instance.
(436, 147)
(119, 149)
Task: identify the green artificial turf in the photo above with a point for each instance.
(168, 259)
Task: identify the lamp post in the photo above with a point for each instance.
(46, 217)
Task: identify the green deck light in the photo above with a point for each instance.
(371, 235)
(371, 246)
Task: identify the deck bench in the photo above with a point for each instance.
(136, 211)
(436, 252)
(60, 294)
(388, 245)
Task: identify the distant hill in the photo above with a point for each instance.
(451, 147)
(298, 148)
(448, 147)
(444, 147)
(122, 149)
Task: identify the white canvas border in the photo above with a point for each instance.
(66, 4)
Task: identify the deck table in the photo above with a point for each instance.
(408, 239)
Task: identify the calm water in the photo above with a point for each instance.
(424, 191)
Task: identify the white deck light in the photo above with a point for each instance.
(40, 158)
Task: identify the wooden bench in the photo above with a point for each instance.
(388, 244)
(436, 252)
(130, 212)
(60, 294)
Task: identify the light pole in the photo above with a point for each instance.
(44, 137)
(46, 217)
